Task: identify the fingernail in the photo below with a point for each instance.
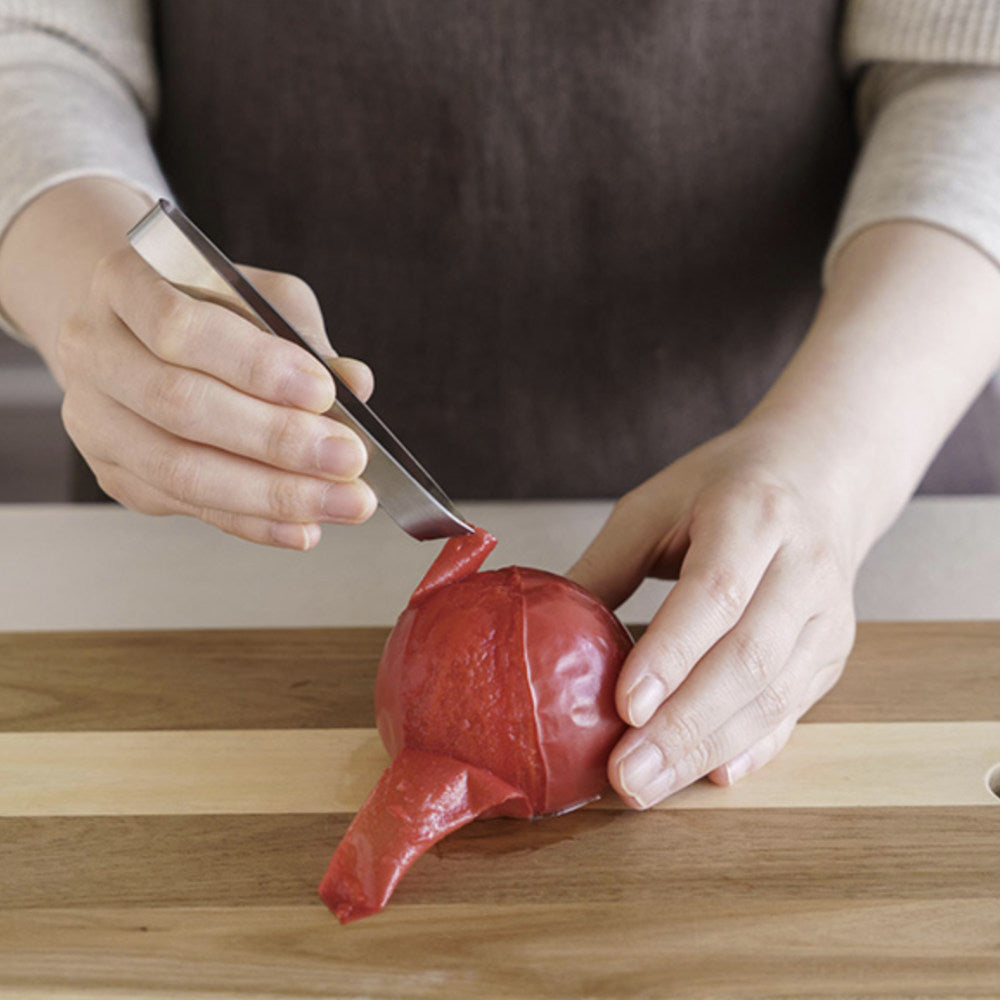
(644, 774)
(349, 502)
(310, 391)
(738, 767)
(296, 536)
(341, 456)
(644, 698)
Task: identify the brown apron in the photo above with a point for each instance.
(573, 238)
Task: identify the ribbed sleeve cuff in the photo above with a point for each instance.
(932, 154)
(940, 31)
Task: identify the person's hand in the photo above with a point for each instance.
(182, 406)
(758, 625)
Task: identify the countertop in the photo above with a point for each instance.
(101, 567)
(186, 732)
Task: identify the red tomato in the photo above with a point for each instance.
(494, 696)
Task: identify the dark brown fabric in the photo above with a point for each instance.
(574, 238)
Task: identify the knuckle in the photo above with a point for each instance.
(824, 559)
(177, 323)
(287, 437)
(727, 590)
(775, 503)
(701, 758)
(260, 367)
(108, 279)
(178, 475)
(776, 704)
(684, 732)
(754, 659)
(103, 274)
(177, 398)
(287, 499)
(69, 343)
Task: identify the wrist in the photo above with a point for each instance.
(827, 457)
(907, 334)
(49, 252)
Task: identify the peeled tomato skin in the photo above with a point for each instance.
(419, 799)
(460, 557)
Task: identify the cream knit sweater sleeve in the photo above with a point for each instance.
(78, 94)
(928, 109)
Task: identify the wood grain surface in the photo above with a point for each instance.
(169, 801)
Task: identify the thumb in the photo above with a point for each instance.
(622, 554)
(298, 303)
(356, 374)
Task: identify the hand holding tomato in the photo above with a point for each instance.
(759, 623)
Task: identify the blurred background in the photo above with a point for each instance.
(36, 461)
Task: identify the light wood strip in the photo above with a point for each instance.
(848, 950)
(330, 771)
(595, 856)
(205, 771)
(324, 678)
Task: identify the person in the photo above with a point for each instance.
(598, 206)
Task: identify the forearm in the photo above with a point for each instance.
(907, 334)
(48, 254)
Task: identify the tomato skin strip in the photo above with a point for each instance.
(460, 557)
(420, 798)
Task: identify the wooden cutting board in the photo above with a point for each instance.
(169, 802)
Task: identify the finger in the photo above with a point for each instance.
(762, 752)
(204, 477)
(730, 550)
(356, 374)
(623, 552)
(119, 482)
(191, 333)
(643, 775)
(197, 407)
(743, 663)
(765, 750)
(297, 302)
